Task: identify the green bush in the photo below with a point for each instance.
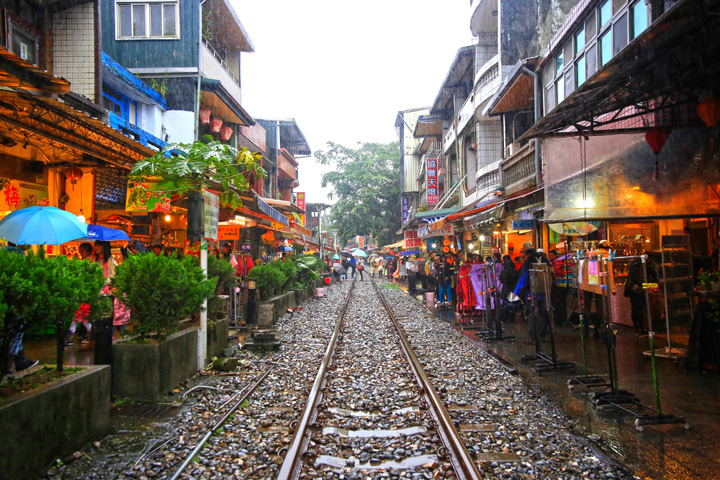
(270, 280)
(44, 291)
(160, 291)
(226, 281)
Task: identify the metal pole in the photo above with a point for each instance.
(667, 310)
(581, 315)
(651, 335)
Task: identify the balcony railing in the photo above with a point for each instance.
(213, 66)
(520, 166)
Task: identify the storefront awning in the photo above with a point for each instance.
(433, 215)
(401, 243)
(221, 101)
(270, 211)
(54, 127)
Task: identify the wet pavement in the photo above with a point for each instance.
(660, 452)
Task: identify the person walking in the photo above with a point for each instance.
(353, 266)
(360, 268)
(444, 281)
(538, 327)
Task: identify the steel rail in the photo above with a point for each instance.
(220, 423)
(290, 468)
(464, 466)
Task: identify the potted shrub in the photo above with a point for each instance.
(224, 272)
(160, 291)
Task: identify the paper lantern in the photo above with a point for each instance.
(73, 174)
(225, 133)
(204, 116)
(215, 124)
(656, 138)
(709, 111)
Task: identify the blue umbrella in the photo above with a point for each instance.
(41, 226)
(98, 232)
(336, 257)
(285, 248)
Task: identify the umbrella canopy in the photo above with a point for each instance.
(360, 253)
(336, 257)
(107, 234)
(285, 248)
(346, 254)
(41, 226)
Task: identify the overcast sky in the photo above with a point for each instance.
(343, 69)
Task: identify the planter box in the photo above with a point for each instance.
(217, 339)
(53, 421)
(147, 372)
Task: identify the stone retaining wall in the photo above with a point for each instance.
(53, 421)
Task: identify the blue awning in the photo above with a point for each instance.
(270, 211)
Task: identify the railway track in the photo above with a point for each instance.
(372, 407)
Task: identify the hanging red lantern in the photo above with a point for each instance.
(216, 123)
(204, 116)
(225, 133)
(73, 174)
(709, 111)
(656, 138)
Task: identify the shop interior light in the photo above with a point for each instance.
(636, 187)
(168, 218)
(81, 217)
(496, 233)
(482, 238)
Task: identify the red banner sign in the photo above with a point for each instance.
(432, 181)
(228, 232)
(412, 240)
(301, 200)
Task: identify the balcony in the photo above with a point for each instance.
(519, 168)
(487, 80)
(213, 66)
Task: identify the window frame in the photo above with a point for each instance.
(123, 101)
(148, 19)
(14, 28)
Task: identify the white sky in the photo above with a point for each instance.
(343, 69)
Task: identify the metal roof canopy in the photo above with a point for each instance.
(51, 123)
(428, 126)
(291, 137)
(460, 76)
(18, 73)
(229, 30)
(221, 101)
(668, 64)
(517, 91)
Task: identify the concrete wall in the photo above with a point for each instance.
(147, 372)
(179, 126)
(53, 421)
(217, 339)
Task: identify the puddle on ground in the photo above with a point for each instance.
(373, 433)
(360, 413)
(408, 463)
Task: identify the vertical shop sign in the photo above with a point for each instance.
(301, 200)
(210, 215)
(432, 182)
(405, 209)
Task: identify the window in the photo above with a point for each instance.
(591, 60)
(559, 64)
(606, 48)
(580, 40)
(23, 43)
(620, 34)
(569, 81)
(605, 13)
(119, 104)
(150, 19)
(591, 26)
(639, 18)
(560, 86)
(580, 72)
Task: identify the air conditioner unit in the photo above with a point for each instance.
(509, 150)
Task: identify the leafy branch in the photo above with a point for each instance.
(186, 166)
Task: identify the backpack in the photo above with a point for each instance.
(360, 267)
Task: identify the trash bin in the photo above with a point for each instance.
(103, 333)
(327, 280)
(430, 299)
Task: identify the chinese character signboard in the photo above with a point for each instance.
(210, 215)
(412, 240)
(18, 194)
(405, 210)
(229, 232)
(301, 200)
(432, 181)
(425, 232)
(523, 224)
(245, 247)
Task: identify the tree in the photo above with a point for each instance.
(366, 184)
